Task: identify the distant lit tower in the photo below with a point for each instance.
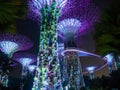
(91, 71)
(110, 60)
(10, 43)
(48, 68)
(25, 59)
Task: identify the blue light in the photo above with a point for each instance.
(25, 61)
(8, 47)
(91, 69)
(109, 58)
(31, 68)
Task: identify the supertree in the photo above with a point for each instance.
(110, 61)
(74, 66)
(11, 43)
(91, 69)
(69, 28)
(83, 10)
(25, 59)
(47, 72)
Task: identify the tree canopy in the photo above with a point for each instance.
(107, 32)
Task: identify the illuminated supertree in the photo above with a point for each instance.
(110, 60)
(47, 71)
(10, 43)
(83, 10)
(25, 59)
(52, 6)
(69, 28)
(91, 71)
(48, 12)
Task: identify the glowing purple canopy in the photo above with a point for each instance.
(69, 27)
(34, 6)
(83, 10)
(24, 58)
(10, 43)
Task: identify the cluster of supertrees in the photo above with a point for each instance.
(10, 44)
(59, 64)
(61, 19)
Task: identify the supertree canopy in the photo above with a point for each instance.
(8, 46)
(10, 43)
(35, 7)
(25, 59)
(42, 3)
(91, 71)
(85, 11)
(68, 28)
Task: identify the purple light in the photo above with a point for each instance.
(91, 69)
(109, 58)
(8, 47)
(14, 42)
(31, 68)
(34, 6)
(83, 10)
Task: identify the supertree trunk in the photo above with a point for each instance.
(48, 71)
(74, 71)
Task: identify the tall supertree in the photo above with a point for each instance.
(69, 28)
(11, 43)
(48, 71)
(25, 59)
